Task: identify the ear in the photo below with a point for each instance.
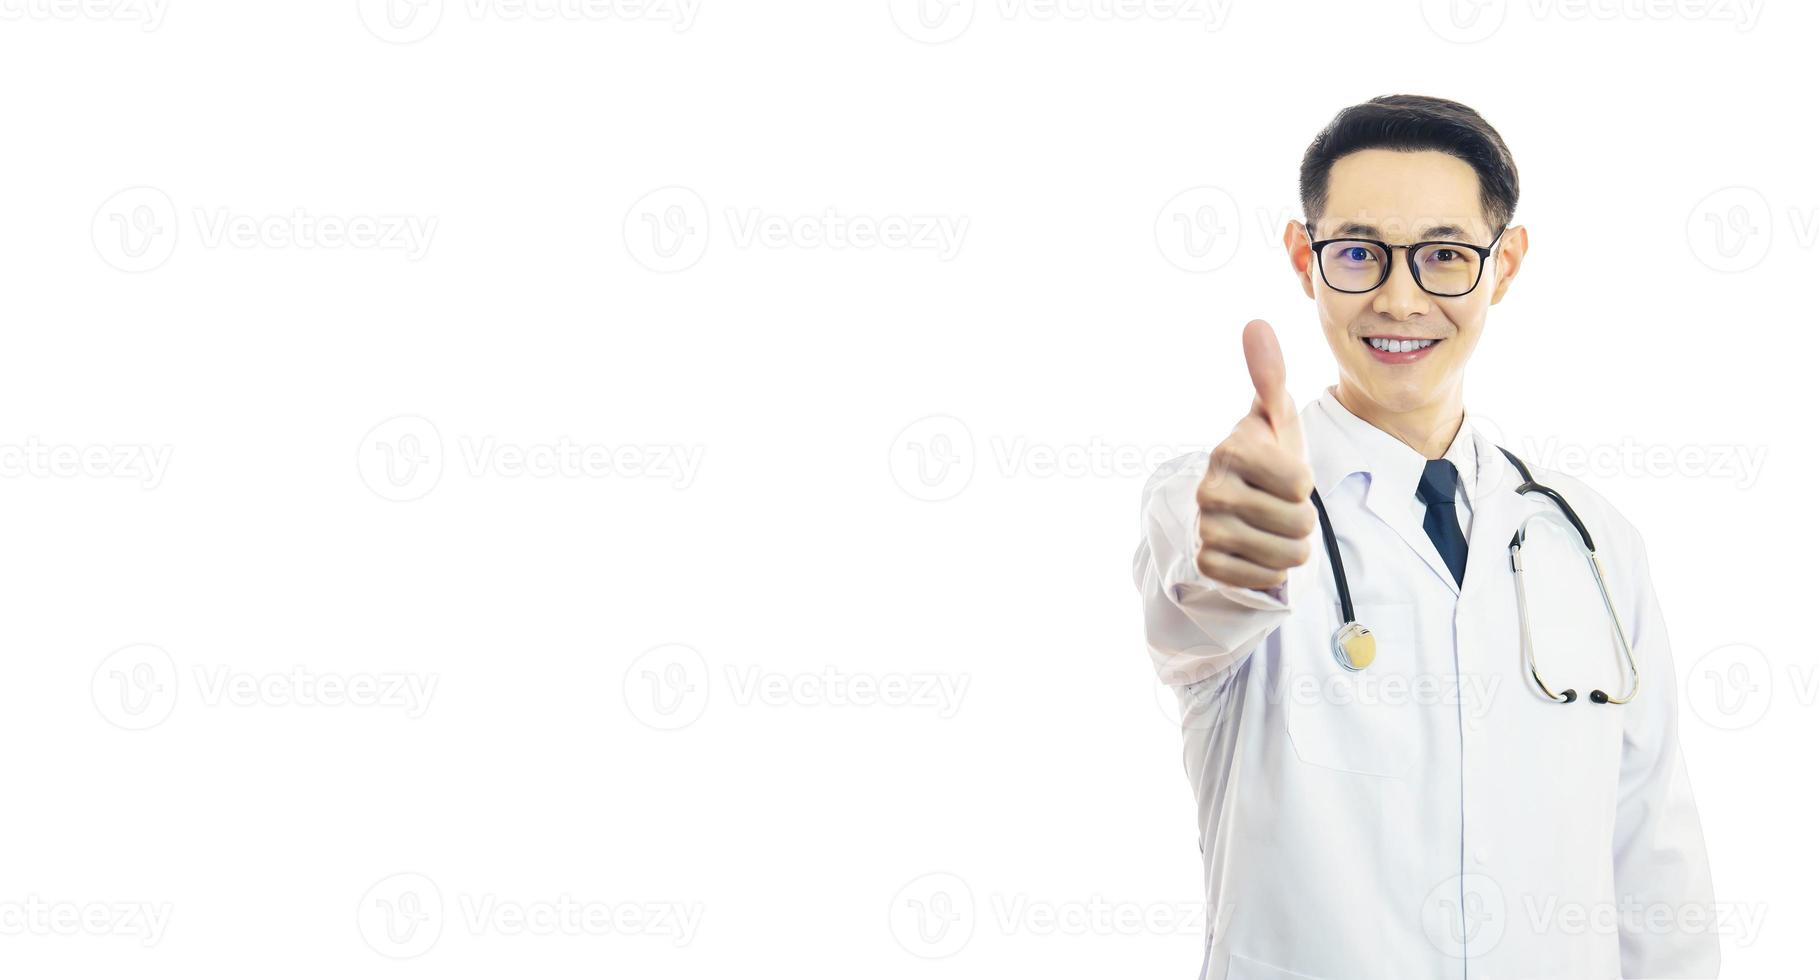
(1510, 250)
(1300, 255)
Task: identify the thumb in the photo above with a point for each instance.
(1269, 376)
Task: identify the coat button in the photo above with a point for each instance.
(1480, 856)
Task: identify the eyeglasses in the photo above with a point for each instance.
(1359, 265)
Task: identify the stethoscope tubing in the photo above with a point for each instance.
(1528, 485)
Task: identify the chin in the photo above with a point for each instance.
(1403, 392)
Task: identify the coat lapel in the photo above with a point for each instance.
(1496, 507)
(1391, 505)
(1334, 456)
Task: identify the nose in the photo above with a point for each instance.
(1399, 297)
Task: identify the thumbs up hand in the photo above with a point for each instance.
(1256, 518)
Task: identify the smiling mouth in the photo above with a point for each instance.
(1400, 350)
(1399, 345)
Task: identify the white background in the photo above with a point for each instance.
(584, 633)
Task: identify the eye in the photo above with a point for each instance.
(1357, 253)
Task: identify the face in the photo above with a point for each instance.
(1400, 198)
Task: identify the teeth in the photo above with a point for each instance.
(1398, 346)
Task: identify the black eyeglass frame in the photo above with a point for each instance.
(1484, 258)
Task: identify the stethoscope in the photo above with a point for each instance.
(1355, 648)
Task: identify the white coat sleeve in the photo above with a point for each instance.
(1196, 627)
(1659, 847)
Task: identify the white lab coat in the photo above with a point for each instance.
(1433, 816)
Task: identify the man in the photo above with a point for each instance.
(1423, 805)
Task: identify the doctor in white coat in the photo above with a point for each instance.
(1435, 815)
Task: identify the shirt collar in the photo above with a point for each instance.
(1340, 444)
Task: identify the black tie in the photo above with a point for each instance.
(1439, 480)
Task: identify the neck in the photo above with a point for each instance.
(1429, 429)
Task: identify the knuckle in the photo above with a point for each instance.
(1301, 483)
(1214, 535)
(1207, 495)
(1307, 519)
(1223, 459)
(1216, 496)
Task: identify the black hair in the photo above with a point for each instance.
(1410, 123)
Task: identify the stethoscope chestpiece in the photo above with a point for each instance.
(1354, 647)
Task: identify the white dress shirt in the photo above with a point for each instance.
(1392, 461)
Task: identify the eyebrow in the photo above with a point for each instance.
(1436, 233)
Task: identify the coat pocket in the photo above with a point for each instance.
(1359, 721)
